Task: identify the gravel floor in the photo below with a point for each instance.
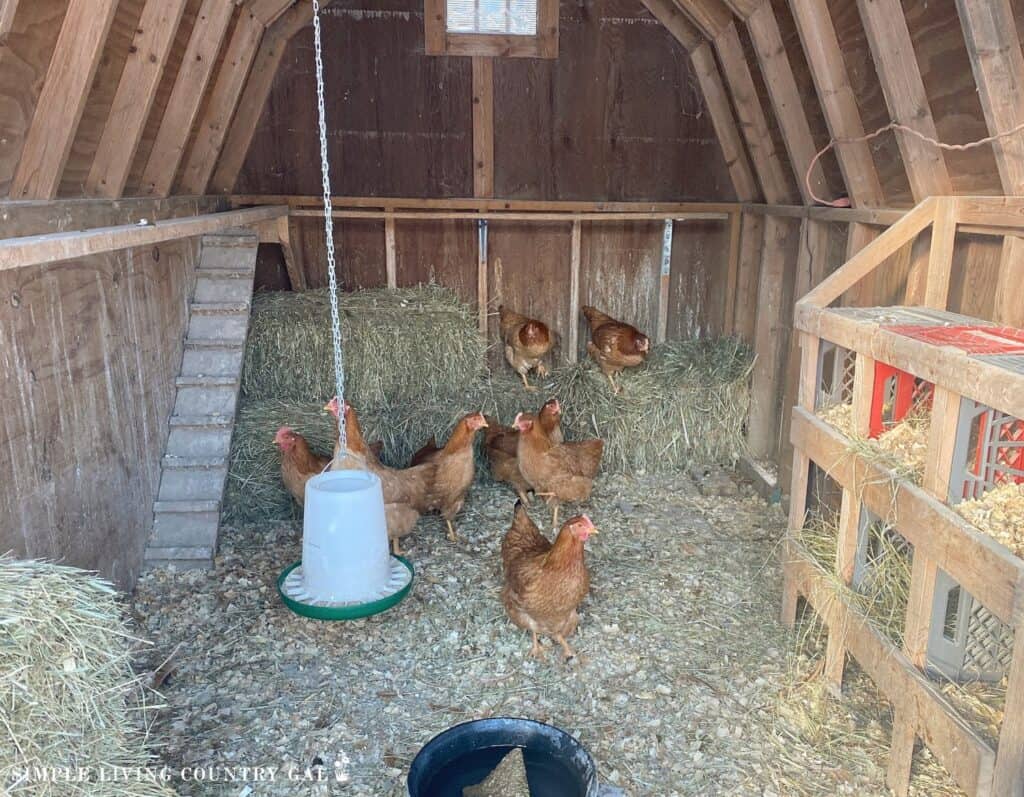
(684, 684)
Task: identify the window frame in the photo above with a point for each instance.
(439, 41)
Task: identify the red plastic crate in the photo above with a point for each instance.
(970, 339)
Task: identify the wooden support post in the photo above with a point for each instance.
(785, 98)
(575, 256)
(296, 272)
(483, 126)
(753, 123)
(763, 423)
(940, 260)
(732, 275)
(863, 387)
(390, 252)
(1009, 297)
(810, 270)
(846, 551)
(905, 96)
(825, 59)
(7, 10)
(901, 753)
(220, 107)
(664, 283)
(1009, 771)
(183, 106)
(76, 57)
(726, 130)
(134, 98)
(748, 277)
(254, 97)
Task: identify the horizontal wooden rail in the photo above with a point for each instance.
(946, 366)
(964, 754)
(496, 215)
(483, 204)
(36, 250)
(985, 568)
(882, 217)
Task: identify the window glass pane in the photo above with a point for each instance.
(518, 17)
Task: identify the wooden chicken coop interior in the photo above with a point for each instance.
(837, 185)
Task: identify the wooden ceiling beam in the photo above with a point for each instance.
(743, 8)
(268, 11)
(678, 24)
(213, 126)
(785, 98)
(710, 16)
(716, 98)
(62, 99)
(998, 64)
(825, 59)
(183, 106)
(254, 97)
(753, 122)
(134, 98)
(7, 10)
(905, 96)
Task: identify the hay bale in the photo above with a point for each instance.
(685, 407)
(68, 696)
(398, 344)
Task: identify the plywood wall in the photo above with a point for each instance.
(89, 350)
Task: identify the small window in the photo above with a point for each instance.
(512, 28)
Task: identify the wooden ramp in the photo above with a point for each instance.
(194, 467)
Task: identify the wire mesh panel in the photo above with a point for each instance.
(966, 641)
(836, 366)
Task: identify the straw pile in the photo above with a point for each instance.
(1000, 514)
(68, 696)
(686, 406)
(398, 344)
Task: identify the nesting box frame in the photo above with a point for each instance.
(950, 556)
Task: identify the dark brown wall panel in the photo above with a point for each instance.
(700, 266)
(359, 252)
(617, 116)
(443, 251)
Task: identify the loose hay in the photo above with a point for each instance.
(68, 696)
(686, 406)
(1000, 514)
(903, 448)
(398, 345)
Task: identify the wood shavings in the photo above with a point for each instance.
(1000, 514)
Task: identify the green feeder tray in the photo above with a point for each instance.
(289, 586)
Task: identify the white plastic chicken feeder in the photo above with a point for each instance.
(346, 570)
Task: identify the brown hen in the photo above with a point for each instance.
(501, 443)
(455, 469)
(614, 345)
(298, 463)
(545, 583)
(558, 471)
(526, 342)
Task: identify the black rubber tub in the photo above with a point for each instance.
(557, 765)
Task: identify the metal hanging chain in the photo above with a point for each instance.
(332, 277)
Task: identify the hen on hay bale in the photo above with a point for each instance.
(68, 695)
(686, 406)
(398, 344)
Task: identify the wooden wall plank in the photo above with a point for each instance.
(254, 97)
(699, 280)
(8, 8)
(136, 92)
(748, 277)
(183, 105)
(483, 126)
(62, 99)
(213, 125)
(1009, 307)
(905, 95)
(786, 101)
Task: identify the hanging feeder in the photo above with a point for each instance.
(346, 571)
